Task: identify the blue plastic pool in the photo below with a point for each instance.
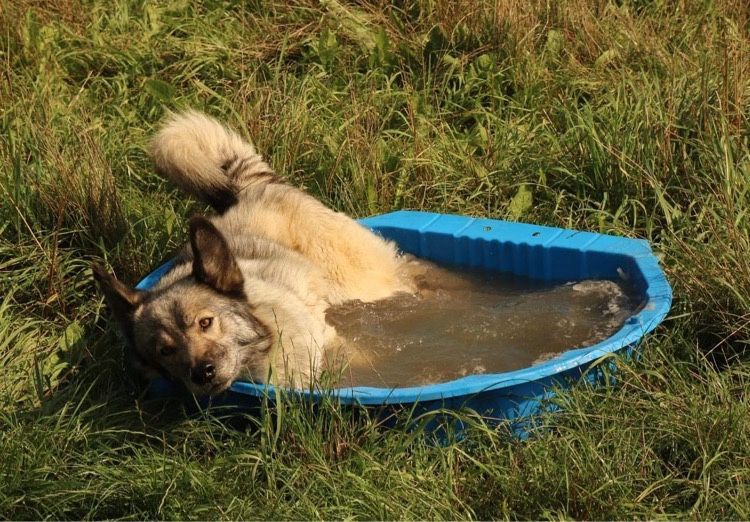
(549, 254)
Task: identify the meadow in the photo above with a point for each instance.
(623, 117)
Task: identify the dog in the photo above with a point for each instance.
(246, 298)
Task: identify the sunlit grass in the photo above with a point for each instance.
(623, 117)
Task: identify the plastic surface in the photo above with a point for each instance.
(550, 254)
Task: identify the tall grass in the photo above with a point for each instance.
(621, 117)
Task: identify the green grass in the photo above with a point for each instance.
(627, 117)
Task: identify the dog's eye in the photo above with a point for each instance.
(167, 350)
(206, 322)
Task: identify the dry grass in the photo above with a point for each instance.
(621, 117)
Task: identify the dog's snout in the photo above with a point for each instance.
(203, 373)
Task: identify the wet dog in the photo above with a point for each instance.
(247, 296)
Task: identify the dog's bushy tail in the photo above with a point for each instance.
(207, 160)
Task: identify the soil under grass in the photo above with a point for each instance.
(626, 117)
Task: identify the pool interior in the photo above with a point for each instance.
(462, 322)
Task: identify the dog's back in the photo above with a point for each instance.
(214, 164)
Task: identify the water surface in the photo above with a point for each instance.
(461, 323)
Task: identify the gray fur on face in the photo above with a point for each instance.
(168, 335)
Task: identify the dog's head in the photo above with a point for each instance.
(199, 329)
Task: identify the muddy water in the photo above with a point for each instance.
(469, 323)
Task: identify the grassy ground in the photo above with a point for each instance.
(626, 117)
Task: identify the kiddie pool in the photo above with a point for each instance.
(537, 252)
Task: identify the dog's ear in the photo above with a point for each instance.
(213, 261)
(122, 300)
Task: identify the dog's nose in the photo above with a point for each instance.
(203, 373)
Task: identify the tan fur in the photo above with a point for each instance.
(288, 256)
(190, 150)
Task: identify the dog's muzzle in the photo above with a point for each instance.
(203, 373)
